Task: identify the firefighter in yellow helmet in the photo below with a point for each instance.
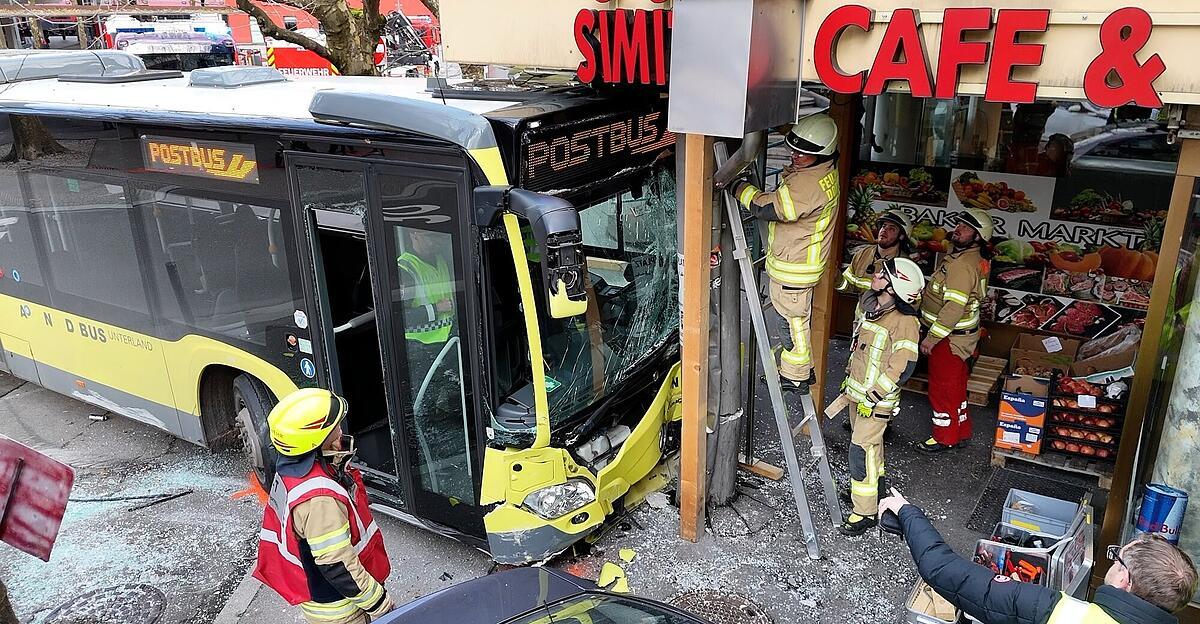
(892, 240)
(319, 547)
(950, 312)
(882, 355)
(800, 216)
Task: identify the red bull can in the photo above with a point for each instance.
(1162, 511)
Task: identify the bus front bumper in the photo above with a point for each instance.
(518, 537)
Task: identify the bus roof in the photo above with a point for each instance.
(388, 104)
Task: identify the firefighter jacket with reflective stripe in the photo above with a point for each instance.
(951, 300)
(433, 284)
(864, 265)
(326, 570)
(998, 599)
(882, 352)
(801, 215)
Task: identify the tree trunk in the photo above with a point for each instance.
(35, 30)
(31, 139)
(6, 611)
(81, 32)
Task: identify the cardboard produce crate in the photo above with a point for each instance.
(1040, 356)
(1021, 421)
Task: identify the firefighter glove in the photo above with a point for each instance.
(866, 409)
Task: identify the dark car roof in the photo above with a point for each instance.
(490, 599)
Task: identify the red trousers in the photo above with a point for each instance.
(948, 395)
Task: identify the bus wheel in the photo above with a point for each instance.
(252, 403)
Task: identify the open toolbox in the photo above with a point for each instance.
(1041, 540)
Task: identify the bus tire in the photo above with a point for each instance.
(252, 402)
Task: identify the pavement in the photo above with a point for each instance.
(197, 549)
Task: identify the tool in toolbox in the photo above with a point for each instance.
(758, 324)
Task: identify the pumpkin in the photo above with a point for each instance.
(1128, 263)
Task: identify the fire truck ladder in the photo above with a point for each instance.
(817, 450)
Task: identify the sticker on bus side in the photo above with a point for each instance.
(220, 160)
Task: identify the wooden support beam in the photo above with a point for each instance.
(696, 214)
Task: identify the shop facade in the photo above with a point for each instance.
(1071, 122)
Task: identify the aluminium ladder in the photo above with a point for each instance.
(817, 449)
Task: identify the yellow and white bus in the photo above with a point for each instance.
(489, 279)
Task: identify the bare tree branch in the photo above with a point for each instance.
(273, 30)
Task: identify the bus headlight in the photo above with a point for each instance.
(559, 500)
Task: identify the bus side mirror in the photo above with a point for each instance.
(558, 234)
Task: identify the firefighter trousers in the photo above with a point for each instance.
(357, 617)
(866, 460)
(794, 307)
(948, 375)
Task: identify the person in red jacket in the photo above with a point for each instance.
(319, 547)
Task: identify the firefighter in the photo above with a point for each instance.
(882, 356)
(891, 241)
(950, 314)
(1150, 580)
(319, 546)
(800, 214)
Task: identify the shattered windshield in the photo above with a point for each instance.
(633, 296)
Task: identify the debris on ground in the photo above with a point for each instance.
(627, 554)
(658, 500)
(612, 578)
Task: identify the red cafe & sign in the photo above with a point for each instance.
(1114, 77)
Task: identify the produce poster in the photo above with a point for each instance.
(1067, 258)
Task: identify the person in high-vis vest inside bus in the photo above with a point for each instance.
(882, 356)
(800, 215)
(429, 317)
(950, 313)
(1150, 580)
(319, 547)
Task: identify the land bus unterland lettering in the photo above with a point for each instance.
(503, 323)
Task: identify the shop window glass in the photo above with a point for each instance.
(1079, 196)
(89, 244)
(218, 265)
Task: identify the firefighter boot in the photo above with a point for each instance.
(855, 525)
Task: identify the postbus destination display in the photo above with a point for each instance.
(205, 159)
(562, 156)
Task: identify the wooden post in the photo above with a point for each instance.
(825, 293)
(81, 32)
(696, 238)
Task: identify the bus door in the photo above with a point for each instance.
(423, 295)
(389, 300)
(331, 202)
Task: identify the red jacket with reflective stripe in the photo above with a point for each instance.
(279, 566)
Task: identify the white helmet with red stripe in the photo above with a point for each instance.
(905, 278)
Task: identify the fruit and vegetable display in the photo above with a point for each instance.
(1092, 206)
(975, 193)
(1071, 386)
(929, 237)
(1083, 434)
(1100, 408)
(914, 185)
(1080, 448)
(1128, 263)
(1102, 422)
(1038, 254)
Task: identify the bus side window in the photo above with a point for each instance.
(90, 248)
(218, 265)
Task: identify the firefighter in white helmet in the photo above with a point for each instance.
(950, 312)
(882, 355)
(801, 215)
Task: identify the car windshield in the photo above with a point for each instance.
(603, 609)
(633, 296)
